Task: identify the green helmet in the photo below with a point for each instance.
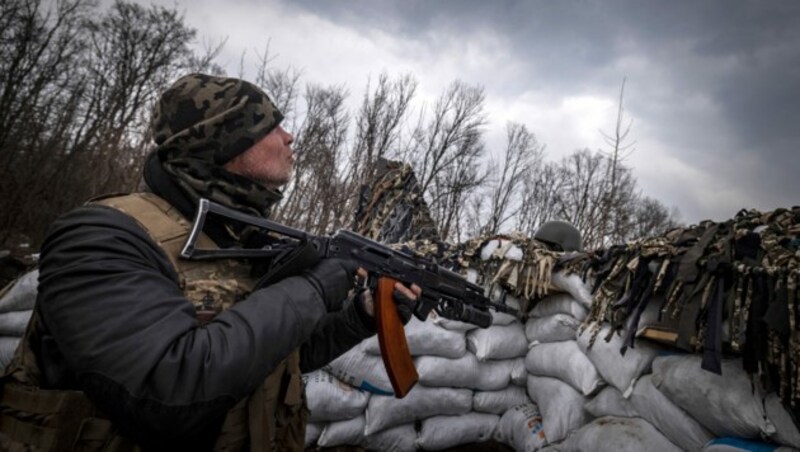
(560, 235)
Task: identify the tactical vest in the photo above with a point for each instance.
(272, 418)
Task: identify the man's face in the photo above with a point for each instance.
(268, 162)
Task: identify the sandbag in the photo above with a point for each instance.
(519, 374)
(8, 345)
(502, 318)
(401, 438)
(498, 342)
(436, 371)
(724, 404)
(20, 295)
(426, 338)
(14, 323)
(559, 303)
(673, 422)
(448, 324)
(465, 372)
(421, 402)
(498, 402)
(554, 328)
(330, 399)
(609, 402)
(442, 432)
(618, 370)
(565, 361)
(361, 370)
(494, 374)
(312, 434)
(617, 434)
(349, 432)
(521, 428)
(560, 404)
(573, 284)
(785, 430)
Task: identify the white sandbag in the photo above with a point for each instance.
(312, 434)
(560, 404)
(609, 402)
(573, 284)
(21, 296)
(498, 342)
(494, 375)
(361, 370)
(448, 324)
(673, 422)
(724, 404)
(618, 370)
(330, 399)
(730, 444)
(785, 430)
(14, 323)
(502, 318)
(565, 361)
(421, 402)
(402, 438)
(349, 432)
(442, 432)
(559, 303)
(436, 371)
(498, 402)
(426, 338)
(519, 374)
(554, 328)
(617, 434)
(8, 345)
(521, 428)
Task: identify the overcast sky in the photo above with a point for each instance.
(713, 87)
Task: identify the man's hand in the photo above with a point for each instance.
(405, 297)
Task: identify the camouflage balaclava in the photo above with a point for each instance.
(202, 122)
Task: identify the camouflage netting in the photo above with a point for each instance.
(741, 274)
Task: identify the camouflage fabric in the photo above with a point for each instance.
(391, 208)
(742, 272)
(202, 122)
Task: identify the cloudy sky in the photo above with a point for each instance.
(713, 87)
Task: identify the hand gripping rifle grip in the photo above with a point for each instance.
(392, 339)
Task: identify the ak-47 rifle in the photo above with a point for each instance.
(444, 291)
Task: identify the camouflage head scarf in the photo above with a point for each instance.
(202, 122)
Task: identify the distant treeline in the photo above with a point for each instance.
(77, 85)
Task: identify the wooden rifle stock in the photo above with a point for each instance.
(392, 339)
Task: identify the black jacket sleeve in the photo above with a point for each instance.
(111, 304)
(335, 334)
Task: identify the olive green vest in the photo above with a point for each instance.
(272, 418)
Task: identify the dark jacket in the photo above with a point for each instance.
(116, 325)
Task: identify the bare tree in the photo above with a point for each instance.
(75, 94)
(445, 150)
(540, 196)
(522, 155)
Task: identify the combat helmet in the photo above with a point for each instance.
(560, 235)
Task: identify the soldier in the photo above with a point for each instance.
(118, 355)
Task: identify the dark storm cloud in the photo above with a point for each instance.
(714, 67)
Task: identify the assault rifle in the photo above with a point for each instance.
(444, 291)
